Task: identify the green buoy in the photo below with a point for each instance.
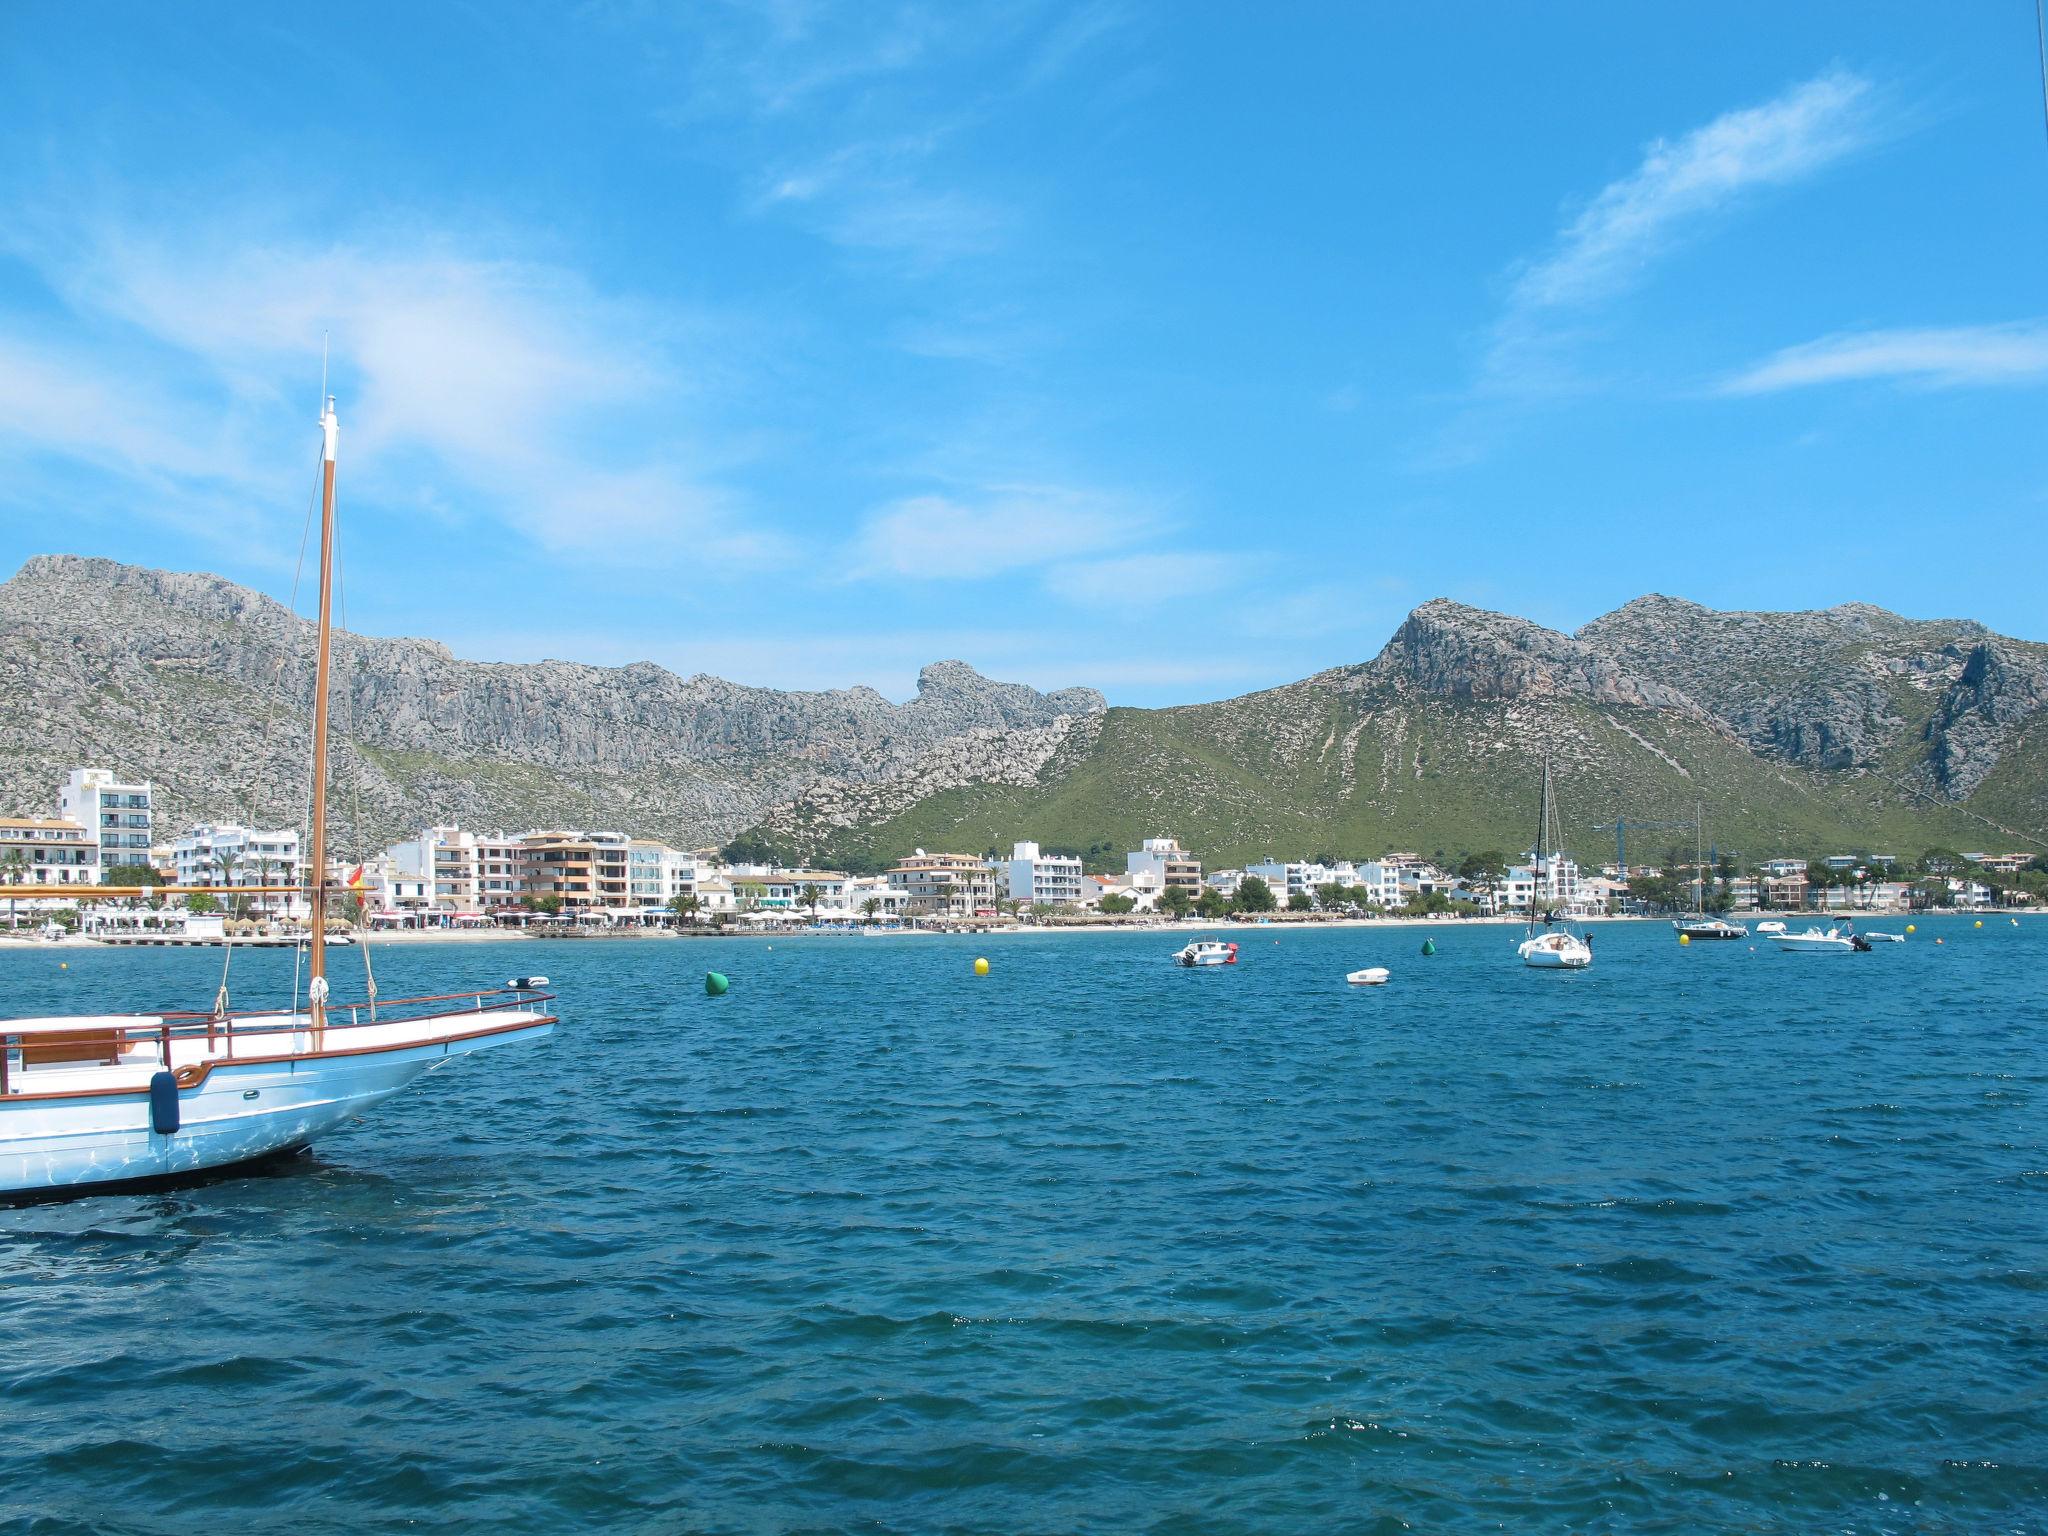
(1429, 946)
(715, 984)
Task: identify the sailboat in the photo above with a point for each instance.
(1551, 944)
(99, 1101)
(1696, 924)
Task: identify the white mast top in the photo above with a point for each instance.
(330, 431)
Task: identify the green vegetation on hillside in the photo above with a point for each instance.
(1313, 770)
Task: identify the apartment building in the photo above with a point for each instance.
(1162, 864)
(45, 850)
(1559, 886)
(945, 884)
(1041, 878)
(118, 816)
(227, 857)
(788, 890)
(586, 870)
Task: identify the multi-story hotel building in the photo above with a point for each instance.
(1162, 865)
(42, 850)
(587, 870)
(1052, 879)
(117, 816)
(945, 884)
(228, 856)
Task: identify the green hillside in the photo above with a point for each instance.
(1310, 769)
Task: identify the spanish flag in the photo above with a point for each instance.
(355, 878)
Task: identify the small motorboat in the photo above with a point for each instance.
(1371, 976)
(1207, 952)
(1773, 926)
(1697, 927)
(1816, 941)
(1886, 938)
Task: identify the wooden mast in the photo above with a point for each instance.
(316, 948)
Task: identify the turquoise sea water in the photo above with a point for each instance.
(1704, 1239)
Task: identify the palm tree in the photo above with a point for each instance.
(811, 896)
(870, 907)
(685, 906)
(14, 865)
(226, 863)
(265, 866)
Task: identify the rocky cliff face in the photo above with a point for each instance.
(2000, 686)
(204, 687)
(1456, 652)
(1849, 688)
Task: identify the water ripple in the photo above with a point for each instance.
(870, 1245)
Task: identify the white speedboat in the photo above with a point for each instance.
(1371, 976)
(1770, 926)
(1205, 952)
(1816, 941)
(88, 1103)
(1551, 944)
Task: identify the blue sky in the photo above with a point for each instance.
(1173, 349)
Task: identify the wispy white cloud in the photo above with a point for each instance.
(1937, 357)
(1677, 188)
(557, 409)
(883, 196)
(1006, 528)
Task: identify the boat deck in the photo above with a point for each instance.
(122, 1052)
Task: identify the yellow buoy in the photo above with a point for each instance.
(63, 965)
(1911, 928)
(1685, 938)
(1978, 924)
(980, 966)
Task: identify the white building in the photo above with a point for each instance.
(1036, 876)
(39, 850)
(1561, 886)
(891, 901)
(229, 856)
(1383, 883)
(1288, 878)
(1162, 864)
(117, 815)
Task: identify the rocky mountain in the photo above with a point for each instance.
(204, 688)
(1845, 727)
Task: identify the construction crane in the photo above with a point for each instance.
(1621, 828)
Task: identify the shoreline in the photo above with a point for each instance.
(1276, 924)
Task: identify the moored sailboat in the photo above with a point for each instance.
(1552, 944)
(91, 1102)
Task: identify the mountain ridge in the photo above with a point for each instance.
(1831, 722)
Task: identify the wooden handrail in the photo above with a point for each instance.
(141, 892)
(280, 1020)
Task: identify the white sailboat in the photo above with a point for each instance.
(87, 1103)
(1551, 944)
(1696, 924)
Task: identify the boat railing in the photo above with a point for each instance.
(104, 1039)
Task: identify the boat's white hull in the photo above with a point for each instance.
(1801, 944)
(1548, 954)
(1371, 976)
(241, 1111)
